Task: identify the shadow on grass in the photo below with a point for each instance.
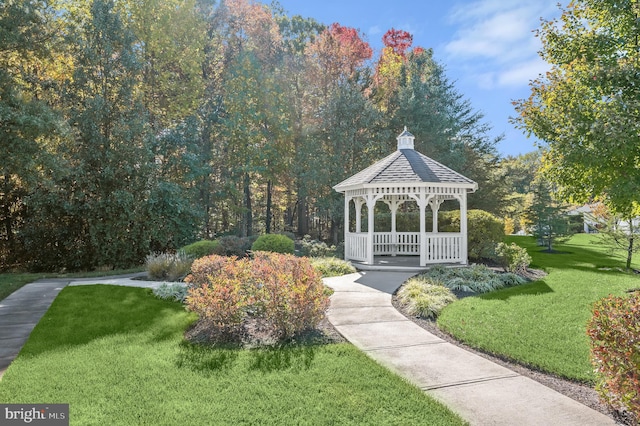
(82, 314)
(209, 359)
(535, 288)
(578, 253)
(206, 359)
(282, 358)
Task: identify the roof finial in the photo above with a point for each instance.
(405, 140)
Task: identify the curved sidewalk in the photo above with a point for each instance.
(482, 392)
(22, 309)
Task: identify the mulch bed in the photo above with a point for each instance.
(252, 334)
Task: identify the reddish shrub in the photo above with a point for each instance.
(219, 291)
(204, 267)
(285, 293)
(614, 330)
(291, 293)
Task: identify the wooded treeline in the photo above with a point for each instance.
(132, 126)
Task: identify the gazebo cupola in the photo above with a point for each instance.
(405, 140)
(405, 176)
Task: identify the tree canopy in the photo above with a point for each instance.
(586, 108)
(135, 126)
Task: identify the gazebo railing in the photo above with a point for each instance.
(356, 246)
(442, 247)
(402, 243)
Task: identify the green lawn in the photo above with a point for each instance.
(10, 282)
(117, 356)
(543, 324)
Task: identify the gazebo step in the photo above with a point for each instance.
(389, 268)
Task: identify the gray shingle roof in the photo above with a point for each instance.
(405, 165)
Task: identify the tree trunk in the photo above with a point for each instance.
(8, 220)
(205, 197)
(268, 219)
(247, 225)
(629, 250)
(303, 216)
(335, 232)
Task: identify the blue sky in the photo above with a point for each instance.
(487, 46)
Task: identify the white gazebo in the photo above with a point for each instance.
(405, 176)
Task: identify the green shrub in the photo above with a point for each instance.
(315, 248)
(175, 291)
(230, 245)
(474, 279)
(510, 279)
(484, 232)
(283, 292)
(425, 297)
(513, 258)
(331, 266)
(614, 330)
(275, 243)
(201, 248)
(168, 266)
(288, 234)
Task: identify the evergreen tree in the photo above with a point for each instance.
(30, 127)
(548, 218)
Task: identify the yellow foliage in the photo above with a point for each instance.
(509, 226)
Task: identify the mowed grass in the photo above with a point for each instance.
(543, 323)
(117, 356)
(10, 282)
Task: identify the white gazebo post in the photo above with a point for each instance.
(393, 204)
(463, 228)
(358, 203)
(422, 200)
(347, 242)
(371, 206)
(435, 207)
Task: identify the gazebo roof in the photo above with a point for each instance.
(406, 166)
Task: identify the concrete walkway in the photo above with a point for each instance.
(482, 392)
(22, 309)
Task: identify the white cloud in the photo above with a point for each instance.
(375, 30)
(495, 40)
(522, 72)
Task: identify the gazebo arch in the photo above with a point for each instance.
(405, 176)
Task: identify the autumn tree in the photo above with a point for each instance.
(252, 101)
(586, 107)
(412, 89)
(398, 41)
(519, 175)
(337, 135)
(171, 36)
